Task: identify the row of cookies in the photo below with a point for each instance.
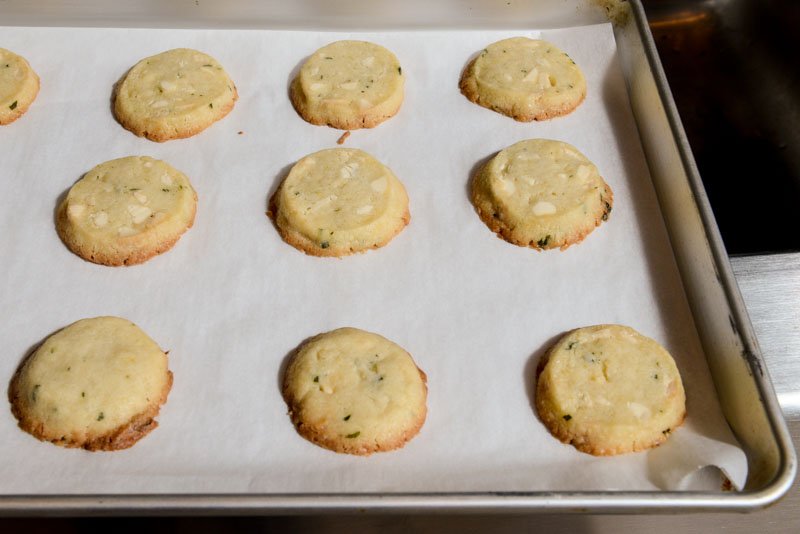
(537, 193)
(346, 85)
(100, 383)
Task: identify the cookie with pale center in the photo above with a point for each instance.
(339, 201)
(173, 95)
(526, 79)
(19, 86)
(608, 389)
(127, 210)
(355, 392)
(97, 384)
(542, 194)
(349, 85)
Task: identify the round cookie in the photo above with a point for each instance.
(173, 95)
(526, 79)
(339, 201)
(97, 384)
(126, 210)
(355, 392)
(19, 86)
(348, 85)
(607, 390)
(541, 194)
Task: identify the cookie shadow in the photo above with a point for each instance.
(114, 92)
(60, 200)
(293, 74)
(534, 365)
(277, 180)
(473, 173)
(286, 360)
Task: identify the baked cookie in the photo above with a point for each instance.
(172, 95)
(19, 86)
(97, 384)
(126, 211)
(608, 389)
(339, 201)
(349, 85)
(541, 194)
(526, 79)
(355, 392)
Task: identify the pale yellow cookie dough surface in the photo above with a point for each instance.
(19, 86)
(527, 79)
(355, 392)
(542, 194)
(174, 94)
(339, 201)
(349, 85)
(86, 383)
(607, 389)
(126, 210)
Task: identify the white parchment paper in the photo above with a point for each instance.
(231, 300)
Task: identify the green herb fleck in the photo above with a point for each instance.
(52, 350)
(324, 244)
(328, 57)
(69, 368)
(13, 105)
(83, 394)
(374, 367)
(607, 211)
(666, 432)
(346, 417)
(567, 417)
(571, 344)
(544, 241)
(100, 416)
(211, 105)
(353, 435)
(165, 189)
(316, 379)
(399, 70)
(35, 392)
(208, 65)
(133, 189)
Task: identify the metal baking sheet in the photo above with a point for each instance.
(761, 489)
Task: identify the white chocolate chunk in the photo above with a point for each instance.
(349, 86)
(76, 210)
(531, 76)
(159, 104)
(543, 208)
(319, 87)
(138, 213)
(99, 219)
(639, 410)
(166, 179)
(167, 85)
(141, 197)
(379, 185)
(126, 231)
(583, 172)
(507, 186)
(364, 210)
